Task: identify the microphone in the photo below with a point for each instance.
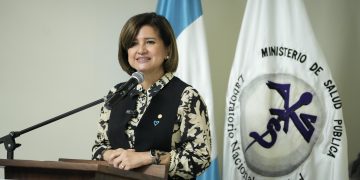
(112, 99)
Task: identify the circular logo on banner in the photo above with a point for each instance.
(281, 119)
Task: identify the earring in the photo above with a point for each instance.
(167, 57)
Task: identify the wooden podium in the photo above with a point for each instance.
(77, 169)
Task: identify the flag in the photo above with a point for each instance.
(283, 117)
(186, 18)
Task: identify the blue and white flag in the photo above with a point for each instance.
(283, 110)
(186, 18)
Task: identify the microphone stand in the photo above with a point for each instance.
(111, 99)
(9, 140)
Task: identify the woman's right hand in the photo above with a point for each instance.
(127, 159)
(110, 154)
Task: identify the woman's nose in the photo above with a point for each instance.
(142, 49)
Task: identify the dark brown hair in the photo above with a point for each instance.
(132, 28)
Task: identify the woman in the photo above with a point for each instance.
(163, 120)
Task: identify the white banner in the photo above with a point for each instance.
(284, 114)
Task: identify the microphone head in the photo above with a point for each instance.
(139, 76)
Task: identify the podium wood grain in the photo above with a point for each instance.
(76, 169)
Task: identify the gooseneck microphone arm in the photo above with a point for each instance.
(124, 89)
(9, 140)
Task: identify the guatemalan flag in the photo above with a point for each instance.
(284, 114)
(186, 18)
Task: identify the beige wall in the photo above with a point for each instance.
(58, 55)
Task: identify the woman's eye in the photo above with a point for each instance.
(150, 42)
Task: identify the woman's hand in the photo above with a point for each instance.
(127, 159)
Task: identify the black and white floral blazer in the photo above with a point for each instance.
(191, 142)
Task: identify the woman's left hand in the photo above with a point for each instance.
(128, 159)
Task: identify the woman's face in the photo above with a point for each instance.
(147, 52)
